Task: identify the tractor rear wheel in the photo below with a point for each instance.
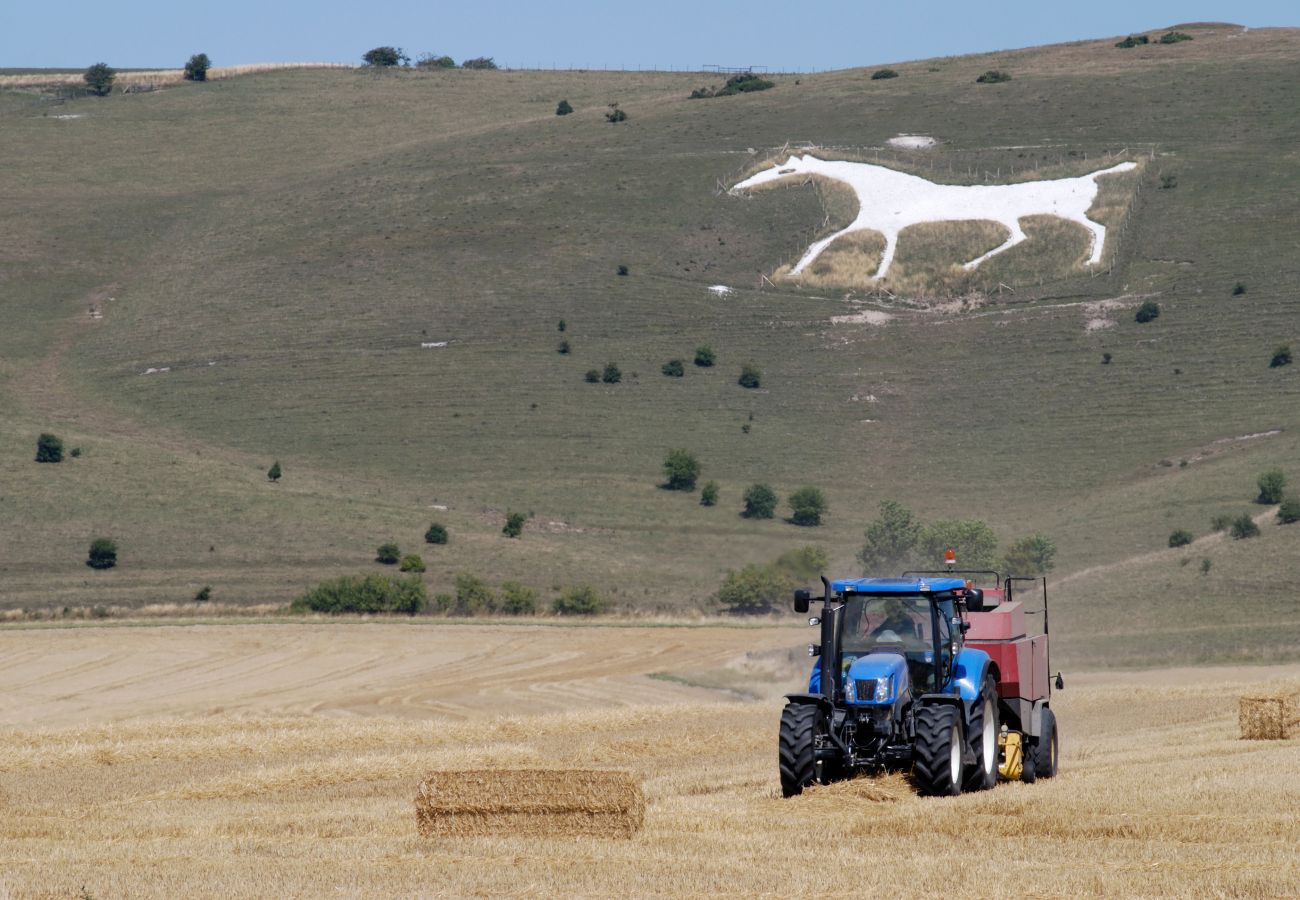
(1047, 752)
(800, 723)
(983, 734)
(936, 758)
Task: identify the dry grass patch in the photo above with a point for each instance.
(851, 261)
(159, 77)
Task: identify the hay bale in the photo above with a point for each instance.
(1270, 717)
(538, 802)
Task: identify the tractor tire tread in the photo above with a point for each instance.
(795, 752)
(931, 759)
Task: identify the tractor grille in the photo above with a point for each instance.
(866, 688)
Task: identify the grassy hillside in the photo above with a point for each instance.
(282, 244)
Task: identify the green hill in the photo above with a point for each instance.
(280, 247)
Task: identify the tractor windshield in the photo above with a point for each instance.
(891, 623)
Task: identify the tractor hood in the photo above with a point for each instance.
(877, 678)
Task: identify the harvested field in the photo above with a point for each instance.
(260, 763)
(534, 802)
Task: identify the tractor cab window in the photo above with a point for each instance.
(890, 623)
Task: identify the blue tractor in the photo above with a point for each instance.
(895, 687)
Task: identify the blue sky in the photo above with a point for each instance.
(581, 33)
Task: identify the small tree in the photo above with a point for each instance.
(760, 502)
(1106, 358)
(752, 590)
(1288, 511)
(1149, 311)
(49, 449)
(275, 471)
(1244, 527)
(103, 554)
(434, 61)
(750, 376)
(881, 74)
(388, 554)
(514, 524)
(473, 596)
(563, 109)
(479, 62)
(622, 271)
(437, 534)
(994, 76)
(99, 79)
(891, 539)
(518, 600)
(681, 469)
(709, 494)
(1032, 555)
(1180, 537)
(807, 506)
(973, 540)
(1281, 357)
(1271, 485)
(704, 356)
(197, 67)
(411, 562)
(592, 376)
(385, 57)
(611, 375)
(673, 368)
(204, 594)
(1239, 288)
(561, 326)
(563, 348)
(579, 600)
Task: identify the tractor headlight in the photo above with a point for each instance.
(884, 688)
(851, 690)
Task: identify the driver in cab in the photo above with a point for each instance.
(898, 625)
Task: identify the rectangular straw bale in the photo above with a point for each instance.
(538, 802)
(1270, 717)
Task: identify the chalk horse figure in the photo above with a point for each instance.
(889, 201)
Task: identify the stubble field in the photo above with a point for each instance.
(282, 760)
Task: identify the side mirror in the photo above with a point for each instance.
(801, 599)
(1060, 682)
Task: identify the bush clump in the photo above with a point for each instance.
(1243, 527)
(203, 594)
(385, 57)
(807, 506)
(389, 554)
(103, 554)
(592, 376)
(756, 589)
(993, 76)
(364, 594)
(613, 117)
(196, 69)
(436, 534)
(517, 599)
(563, 108)
(744, 83)
(673, 368)
(709, 494)
(1174, 37)
(1032, 555)
(579, 600)
(99, 79)
(881, 74)
(411, 562)
(1271, 485)
(760, 502)
(1239, 288)
(1133, 40)
(1221, 522)
(681, 469)
(1281, 357)
(1149, 311)
(1289, 510)
(514, 524)
(611, 375)
(49, 449)
(479, 62)
(701, 93)
(473, 596)
(275, 473)
(750, 376)
(1180, 537)
(704, 357)
(434, 61)
(1168, 182)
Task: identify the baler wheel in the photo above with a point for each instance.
(799, 724)
(936, 757)
(1047, 752)
(983, 732)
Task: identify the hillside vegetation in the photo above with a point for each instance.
(275, 250)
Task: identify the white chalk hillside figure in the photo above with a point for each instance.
(889, 201)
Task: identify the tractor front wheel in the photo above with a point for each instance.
(983, 733)
(800, 723)
(936, 758)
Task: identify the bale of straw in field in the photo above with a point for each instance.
(1270, 717)
(503, 802)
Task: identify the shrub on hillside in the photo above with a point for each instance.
(701, 93)
(1168, 182)
(614, 116)
(890, 540)
(1032, 555)
(563, 348)
(760, 502)
(881, 74)
(411, 562)
(1174, 37)
(1221, 522)
(1133, 40)
(1149, 311)
(563, 108)
(518, 600)
(673, 368)
(49, 448)
(103, 554)
(1271, 484)
(388, 554)
(1281, 357)
(704, 356)
(275, 473)
(473, 596)
(993, 76)
(1106, 358)
(1239, 288)
(592, 376)
(744, 83)
(437, 534)
(752, 590)
(807, 506)
(384, 57)
(363, 594)
(579, 600)
(514, 524)
(204, 594)
(1289, 510)
(561, 326)
(750, 376)
(622, 271)
(681, 469)
(479, 62)
(1243, 527)
(99, 79)
(434, 61)
(1180, 537)
(196, 69)
(611, 375)
(709, 494)
(973, 540)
